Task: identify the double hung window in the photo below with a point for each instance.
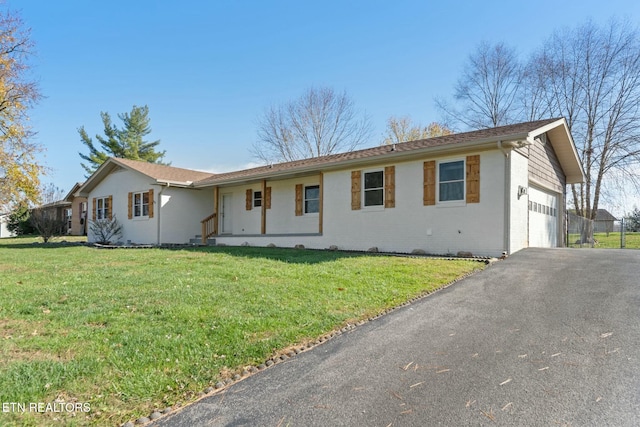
(451, 181)
(102, 208)
(374, 188)
(141, 204)
(257, 199)
(312, 199)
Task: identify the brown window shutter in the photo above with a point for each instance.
(130, 206)
(110, 208)
(93, 209)
(390, 187)
(473, 179)
(267, 198)
(355, 190)
(299, 201)
(249, 200)
(151, 203)
(429, 191)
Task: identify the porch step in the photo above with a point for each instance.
(197, 240)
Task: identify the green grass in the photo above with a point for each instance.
(610, 240)
(129, 331)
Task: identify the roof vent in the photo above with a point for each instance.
(542, 139)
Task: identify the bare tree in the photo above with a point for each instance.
(591, 76)
(402, 129)
(487, 93)
(48, 219)
(318, 123)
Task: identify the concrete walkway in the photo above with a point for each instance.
(544, 338)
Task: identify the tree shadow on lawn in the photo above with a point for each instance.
(289, 255)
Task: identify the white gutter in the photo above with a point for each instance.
(159, 209)
(507, 197)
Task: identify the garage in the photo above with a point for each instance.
(543, 218)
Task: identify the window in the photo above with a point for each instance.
(312, 199)
(257, 199)
(451, 179)
(102, 208)
(374, 188)
(141, 204)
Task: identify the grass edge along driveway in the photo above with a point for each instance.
(126, 332)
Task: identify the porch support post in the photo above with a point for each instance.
(321, 202)
(263, 210)
(215, 210)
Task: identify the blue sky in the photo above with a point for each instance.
(208, 69)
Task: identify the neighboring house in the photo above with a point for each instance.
(59, 210)
(76, 214)
(485, 192)
(4, 231)
(72, 210)
(604, 222)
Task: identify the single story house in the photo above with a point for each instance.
(487, 192)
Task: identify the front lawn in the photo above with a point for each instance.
(609, 240)
(125, 332)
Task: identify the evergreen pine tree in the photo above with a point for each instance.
(127, 142)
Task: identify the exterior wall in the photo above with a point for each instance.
(438, 229)
(181, 212)
(177, 211)
(519, 206)
(280, 218)
(118, 184)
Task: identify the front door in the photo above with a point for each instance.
(226, 214)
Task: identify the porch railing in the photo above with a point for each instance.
(208, 227)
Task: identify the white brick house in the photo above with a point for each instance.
(485, 192)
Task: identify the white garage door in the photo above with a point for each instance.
(543, 218)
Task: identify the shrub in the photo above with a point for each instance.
(106, 230)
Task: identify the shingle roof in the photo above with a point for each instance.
(604, 215)
(371, 153)
(163, 172)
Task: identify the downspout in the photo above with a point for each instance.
(507, 200)
(160, 210)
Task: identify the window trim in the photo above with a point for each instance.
(365, 189)
(456, 202)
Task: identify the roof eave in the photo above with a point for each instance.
(480, 144)
(565, 149)
(95, 178)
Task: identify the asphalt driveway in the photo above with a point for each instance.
(544, 338)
